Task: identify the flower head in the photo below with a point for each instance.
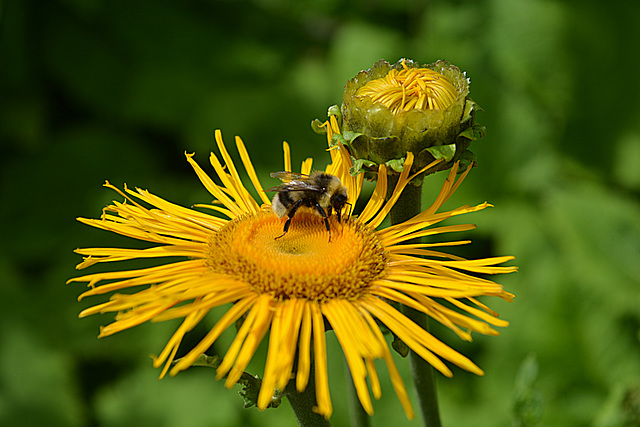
(390, 110)
(286, 288)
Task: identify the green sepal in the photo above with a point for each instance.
(396, 164)
(479, 131)
(349, 139)
(366, 166)
(467, 158)
(317, 127)
(337, 139)
(468, 133)
(470, 108)
(445, 152)
(362, 166)
(473, 133)
(250, 383)
(400, 346)
(334, 110)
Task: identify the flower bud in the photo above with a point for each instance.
(390, 110)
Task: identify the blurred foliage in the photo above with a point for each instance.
(94, 90)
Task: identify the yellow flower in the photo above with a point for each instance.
(287, 287)
(411, 89)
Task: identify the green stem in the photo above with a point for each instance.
(303, 403)
(357, 414)
(408, 206)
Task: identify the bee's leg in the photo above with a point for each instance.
(323, 214)
(330, 210)
(326, 223)
(290, 215)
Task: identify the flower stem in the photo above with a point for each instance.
(303, 403)
(408, 206)
(357, 414)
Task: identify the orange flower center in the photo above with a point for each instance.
(411, 89)
(303, 263)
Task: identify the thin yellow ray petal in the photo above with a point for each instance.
(240, 197)
(344, 315)
(121, 325)
(446, 191)
(218, 222)
(323, 397)
(457, 318)
(417, 338)
(215, 191)
(425, 305)
(492, 319)
(149, 231)
(268, 386)
(354, 184)
(206, 301)
(446, 267)
(281, 349)
(429, 266)
(233, 172)
(377, 198)
(374, 381)
(259, 329)
(404, 332)
(435, 288)
(402, 182)
(460, 179)
(304, 351)
(287, 156)
(484, 307)
(248, 165)
(443, 278)
(234, 313)
(289, 337)
(162, 270)
(122, 254)
(408, 229)
(396, 378)
(333, 122)
(305, 167)
(340, 167)
(192, 219)
(417, 249)
(353, 354)
(240, 193)
(171, 348)
(256, 312)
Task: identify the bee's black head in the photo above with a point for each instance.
(338, 201)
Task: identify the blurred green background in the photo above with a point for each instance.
(93, 90)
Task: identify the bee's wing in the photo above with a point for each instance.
(293, 181)
(289, 176)
(295, 185)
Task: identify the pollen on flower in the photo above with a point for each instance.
(411, 88)
(303, 263)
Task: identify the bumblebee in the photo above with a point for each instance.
(319, 191)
